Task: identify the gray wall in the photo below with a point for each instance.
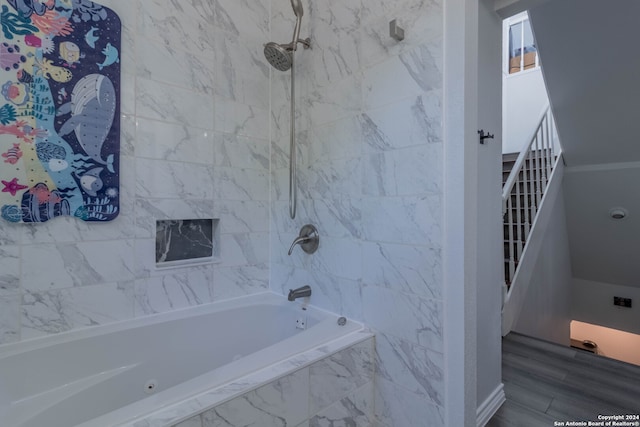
(593, 303)
(600, 246)
(546, 313)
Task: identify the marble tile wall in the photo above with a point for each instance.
(205, 135)
(335, 391)
(195, 145)
(369, 128)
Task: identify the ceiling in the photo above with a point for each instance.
(590, 59)
(591, 65)
(603, 249)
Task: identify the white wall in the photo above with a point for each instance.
(460, 208)
(524, 97)
(592, 302)
(490, 251)
(546, 313)
(612, 343)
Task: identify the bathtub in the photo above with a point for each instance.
(163, 369)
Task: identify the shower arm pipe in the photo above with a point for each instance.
(293, 185)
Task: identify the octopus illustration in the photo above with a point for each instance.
(10, 56)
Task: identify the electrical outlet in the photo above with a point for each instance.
(622, 302)
(301, 323)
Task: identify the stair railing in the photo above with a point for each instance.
(522, 192)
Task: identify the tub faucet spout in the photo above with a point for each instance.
(302, 292)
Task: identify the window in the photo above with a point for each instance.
(523, 54)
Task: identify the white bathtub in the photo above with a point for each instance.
(100, 377)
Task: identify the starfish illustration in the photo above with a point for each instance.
(12, 186)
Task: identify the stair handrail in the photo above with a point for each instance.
(524, 153)
(535, 162)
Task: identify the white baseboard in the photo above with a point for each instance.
(490, 406)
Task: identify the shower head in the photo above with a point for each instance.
(279, 56)
(297, 8)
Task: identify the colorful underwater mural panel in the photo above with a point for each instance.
(59, 110)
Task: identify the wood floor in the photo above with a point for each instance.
(546, 383)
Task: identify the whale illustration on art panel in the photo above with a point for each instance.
(92, 109)
(60, 113)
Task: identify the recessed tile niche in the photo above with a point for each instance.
(186, 241)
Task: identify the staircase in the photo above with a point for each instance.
(525, 196)
(546, 382)
(508, 160)
(525, 178)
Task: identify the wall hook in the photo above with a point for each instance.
(395, 31)
(484, 136)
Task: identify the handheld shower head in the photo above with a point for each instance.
(279, 56)
(297, 8)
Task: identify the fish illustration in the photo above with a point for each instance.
(13, 154)
(111, 56)
(91, 182)
(91, 37)
(92, 108)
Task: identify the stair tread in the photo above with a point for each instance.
(506, 157)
